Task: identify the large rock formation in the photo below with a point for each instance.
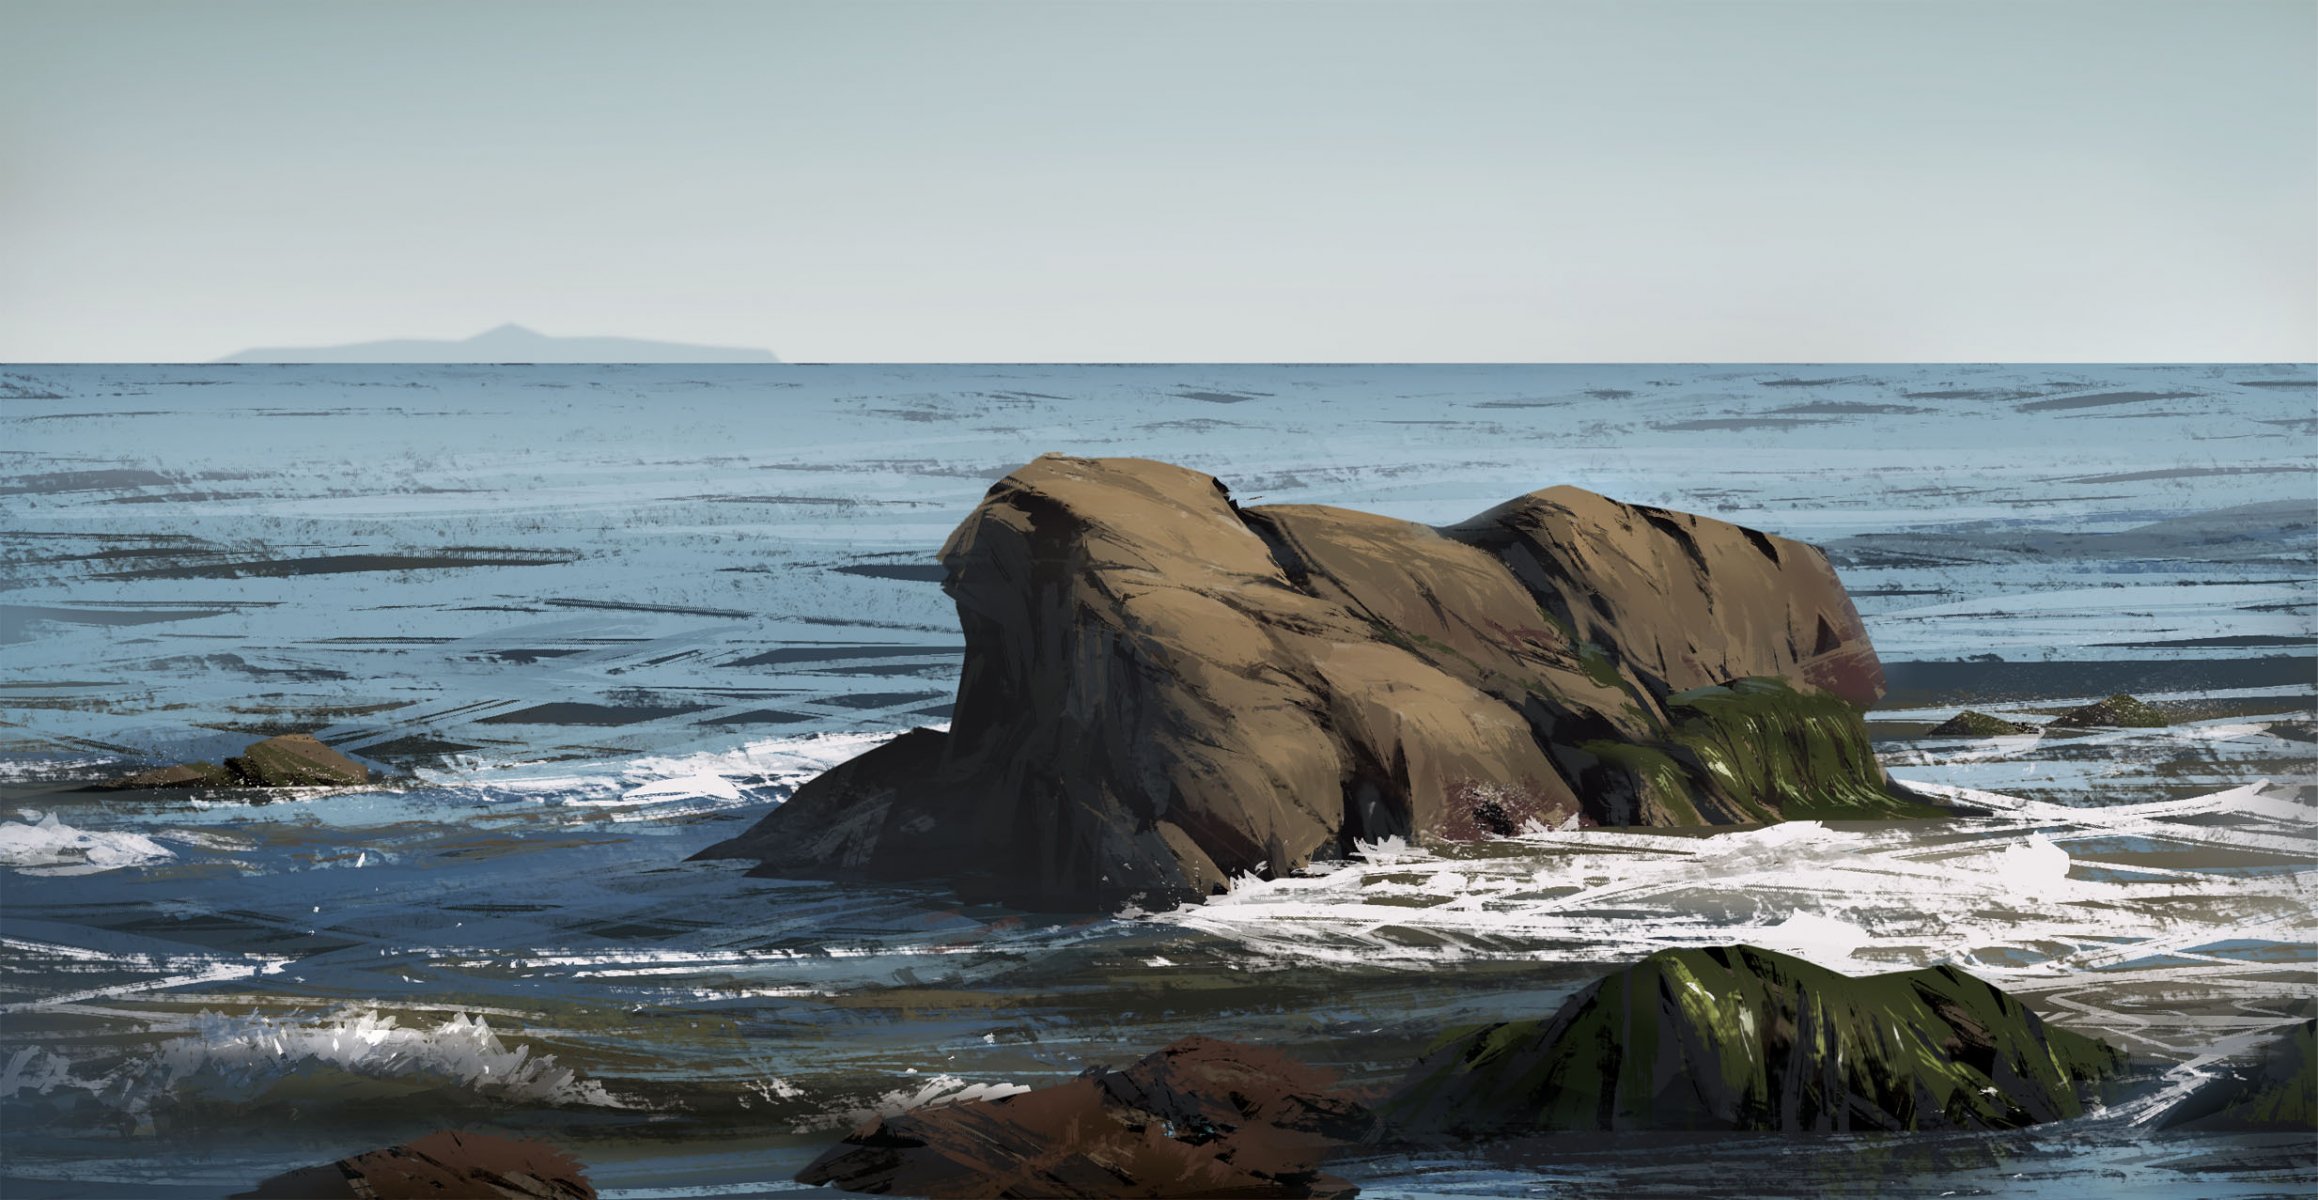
(1200, 1118)
(2278, 1091)
(1738, 1038)
(1163, 690)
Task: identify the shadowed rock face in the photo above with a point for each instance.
(1739, 1038)
(1200, 1118)
(439, 1166)
(1163, 690)
(2277, 1092)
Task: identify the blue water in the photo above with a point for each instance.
(608, 615)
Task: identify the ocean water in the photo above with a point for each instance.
(605, 616)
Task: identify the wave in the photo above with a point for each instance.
(43, 845)
(242, 1061)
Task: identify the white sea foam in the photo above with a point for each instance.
(2077, 904)
(43, 845)
(239, 1059)
(933, 1093)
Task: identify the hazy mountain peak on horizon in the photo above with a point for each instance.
(508, 343)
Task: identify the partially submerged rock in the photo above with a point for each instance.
(2276, 1092)
(291, 760)
(1739, 1038)
(1200, 1118)
(439, 1166)
(1971, 723)
(1163, 690)
(2119, 712)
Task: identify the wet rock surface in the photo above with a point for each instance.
(440, 1166)
(291, 760)
(1740, 1038)
(1163, 690)
(1202, 1117)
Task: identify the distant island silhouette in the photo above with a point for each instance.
(506, 344)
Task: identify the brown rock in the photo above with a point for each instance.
(296, 760)
(439, 1166)
(1199, 1118)
(1163, 690)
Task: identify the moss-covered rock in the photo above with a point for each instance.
(1970, 723)
(2279, 1091)
(1740, 1038)
(2117, 712)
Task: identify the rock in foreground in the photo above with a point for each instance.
(2278, 1092)
(439, 1166)
(2117, 712)
(1199, 1118)
(1163, 690)
(291, 760)
(1971, 723)
(1739, 1038)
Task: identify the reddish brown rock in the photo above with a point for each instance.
(1163, 690)
(291, 760)
(439, 1166)
(1199, 1118)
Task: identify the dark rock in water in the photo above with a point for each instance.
(1739, 1038)
(1163, 690)
(2277, 1092)
(2119, 711)
(439, 1166)
(296, 760)
(1969, 723)
(184, 775)
(1199, 1118)
(291, 760)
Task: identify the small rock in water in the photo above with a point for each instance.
(2117, 712)
(1971, 723)
(1202, 1117)
(291, 760)
(440, 1166)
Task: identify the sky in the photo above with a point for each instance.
(1099, 181)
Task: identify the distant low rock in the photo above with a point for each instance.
(296, 760)
(291, 760)
(1740, 1038)
(2117, 712)
(2278, 1091)
(183, 775)
(439, 1166)
(1202, 1117)
(1163, 690)
(1970, 723)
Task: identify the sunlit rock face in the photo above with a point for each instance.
(1740, 1038)
(1163, 690)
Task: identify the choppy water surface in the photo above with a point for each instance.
(607, 616)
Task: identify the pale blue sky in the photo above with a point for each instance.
(965, 181)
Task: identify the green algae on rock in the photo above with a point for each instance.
(1741, 1038)
(1972, 723)
(2117, 712)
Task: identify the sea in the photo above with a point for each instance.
(588, 620)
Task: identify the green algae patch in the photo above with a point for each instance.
(2117, 712)
(1769, 752)
(1971, 723)
(1740, 1038)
